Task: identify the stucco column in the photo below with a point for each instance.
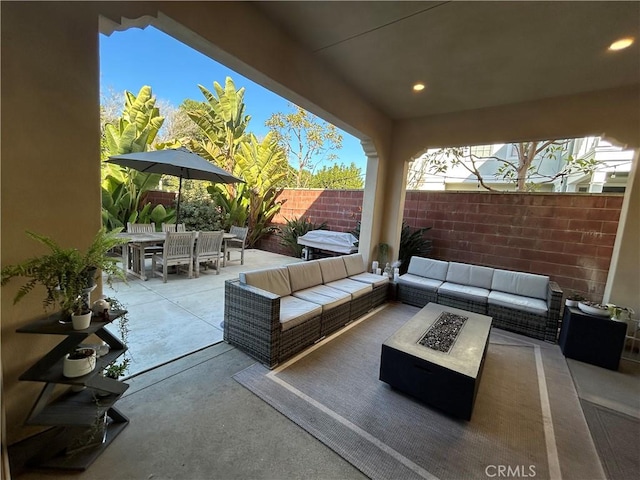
(383, 203)
(371, 217)
(623, 280)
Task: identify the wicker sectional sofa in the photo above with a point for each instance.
(272, 314)
(521, 302)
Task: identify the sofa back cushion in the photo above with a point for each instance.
(428, 268)
(332, 269)
(471, 275)
(274, 280)
(354, 264)
(520, 283)
(304, 275)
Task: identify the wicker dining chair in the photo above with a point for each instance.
(177, 251)
(238, 243)
(208, 250)
(173, 227)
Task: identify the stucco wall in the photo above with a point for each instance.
(50, 166)
(568, 237)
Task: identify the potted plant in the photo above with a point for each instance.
(67, 274)
(573, 300)
(79, 362)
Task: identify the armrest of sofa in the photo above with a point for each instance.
(554, 299)
(554, 303)
(252, 320)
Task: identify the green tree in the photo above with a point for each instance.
(527, 166)
(337, 177)
(306, 140)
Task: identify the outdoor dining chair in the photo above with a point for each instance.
(134, 248)
(177, 251)
(237, 243)
(141, 227)
(173, 227)
(208, 250)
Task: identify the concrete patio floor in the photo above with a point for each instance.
(170, 320)
(190, 420)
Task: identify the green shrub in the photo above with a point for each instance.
(295, 228)
(201, 214)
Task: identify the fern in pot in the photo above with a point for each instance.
(67, 274)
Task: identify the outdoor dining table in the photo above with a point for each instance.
(138, 242)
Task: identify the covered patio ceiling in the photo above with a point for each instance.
(470, 55)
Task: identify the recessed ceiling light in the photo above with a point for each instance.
(418, 87)
(621, 44)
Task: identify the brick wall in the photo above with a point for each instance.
(569, 237)
(156, 197)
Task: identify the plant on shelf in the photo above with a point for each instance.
(117, 369)
(573, 299)
(67, 274)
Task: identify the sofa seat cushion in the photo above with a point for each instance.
(468, 292)
(325, 296)
(295, 311)
(353, 287)
(518, 302)
(332, 269)
(274, 280)
(428, 268)
(370, 278)
(418, 281)
(304, 275)
(472, 275)
(520, 283)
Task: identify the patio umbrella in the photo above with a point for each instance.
(178, 162)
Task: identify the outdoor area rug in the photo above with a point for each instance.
(527, 420)
(617, 437)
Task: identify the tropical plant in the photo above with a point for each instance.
(66, 273)
(412, 243)
(295, 228)
(122, 188)
(223, 122)
(262, 165)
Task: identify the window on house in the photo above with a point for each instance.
(481, 150)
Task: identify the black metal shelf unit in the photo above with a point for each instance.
(83, 410)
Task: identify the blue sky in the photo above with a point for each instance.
(135, 57)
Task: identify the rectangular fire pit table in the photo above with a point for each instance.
(445, 380)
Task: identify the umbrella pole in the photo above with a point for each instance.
(178, 208)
